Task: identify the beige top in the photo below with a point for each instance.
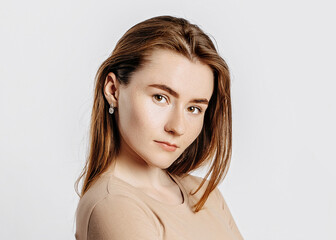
(113, 209)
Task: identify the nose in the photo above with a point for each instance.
(176, 123)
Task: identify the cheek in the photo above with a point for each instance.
(128, 118)
(140, 117)
(194, 129)
(198, 129)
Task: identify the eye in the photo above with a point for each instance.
(193, 108)
(159, 98)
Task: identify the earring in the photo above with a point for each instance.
(111, 109)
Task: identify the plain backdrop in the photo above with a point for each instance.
(281, 182)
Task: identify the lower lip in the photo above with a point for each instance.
(167, 147)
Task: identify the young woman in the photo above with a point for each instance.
(161, 109)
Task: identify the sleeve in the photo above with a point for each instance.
(121, 218)
(232, 224)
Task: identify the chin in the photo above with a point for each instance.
(163, 164)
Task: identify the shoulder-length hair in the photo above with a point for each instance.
(214, 143)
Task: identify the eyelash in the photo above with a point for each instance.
(200, 111)
(156, 95)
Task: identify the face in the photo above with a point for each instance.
(165, 101)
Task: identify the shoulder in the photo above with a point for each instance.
(191, 184)
(190, 178)
(109, 201)
(97, 192)
(115, 215)
(191, 181)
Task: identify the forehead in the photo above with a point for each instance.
(191, 79)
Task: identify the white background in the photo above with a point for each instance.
(281, 183)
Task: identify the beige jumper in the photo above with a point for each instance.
(115, 210)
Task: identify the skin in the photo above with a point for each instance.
(147, 114)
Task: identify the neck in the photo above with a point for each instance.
(131, 168)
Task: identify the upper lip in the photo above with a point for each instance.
(168, 143)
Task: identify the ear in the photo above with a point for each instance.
(111, 89)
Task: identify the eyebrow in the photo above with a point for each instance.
(175, 94)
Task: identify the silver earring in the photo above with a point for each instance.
(111, 109)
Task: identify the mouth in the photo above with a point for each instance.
(167, 146)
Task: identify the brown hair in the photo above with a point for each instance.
(214, 143)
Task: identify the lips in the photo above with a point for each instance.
(167, 143)
(167, 146)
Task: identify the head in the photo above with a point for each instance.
(194, 113)
(164, 101)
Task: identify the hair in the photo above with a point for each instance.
(214, 143)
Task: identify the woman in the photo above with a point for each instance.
(161, 109)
